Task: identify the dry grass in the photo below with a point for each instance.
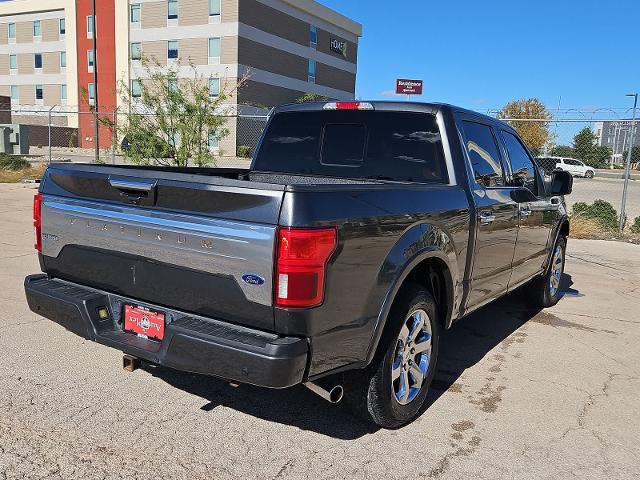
(589, 229)
(16, 176)
(586, 228)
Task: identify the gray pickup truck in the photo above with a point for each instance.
(361, 231)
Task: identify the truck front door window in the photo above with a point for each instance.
(524, 173)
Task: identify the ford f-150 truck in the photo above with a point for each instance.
(361, 232)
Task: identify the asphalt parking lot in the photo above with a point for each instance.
(519, 394)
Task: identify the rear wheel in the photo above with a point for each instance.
(589, 174)
(393, 390)
(544, 291)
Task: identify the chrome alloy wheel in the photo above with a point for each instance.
(411, 357)
(557, 265)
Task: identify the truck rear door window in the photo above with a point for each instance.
(483, 153)
(395, 146)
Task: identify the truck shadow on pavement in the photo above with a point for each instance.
(466, 344)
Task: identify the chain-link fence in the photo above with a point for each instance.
(594, 146)
(62, 134)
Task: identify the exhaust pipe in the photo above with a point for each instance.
(332, 393)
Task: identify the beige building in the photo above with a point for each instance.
(286, 47)
(38, 57)
(282, 48)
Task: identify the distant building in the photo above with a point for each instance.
(616, 134)
(290, 48)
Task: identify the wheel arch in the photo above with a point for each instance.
(433, 266)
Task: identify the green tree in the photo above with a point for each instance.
(563, 151)
(311, 97)
(535, 134)
(635, 154)
(587, 150)
(170, 119)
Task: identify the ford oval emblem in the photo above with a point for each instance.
(253, 279)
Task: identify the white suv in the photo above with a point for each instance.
(575, 167)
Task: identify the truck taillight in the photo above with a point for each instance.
(37, 220)
(302, 256)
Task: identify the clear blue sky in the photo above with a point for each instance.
(481, 55)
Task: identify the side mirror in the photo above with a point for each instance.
(561, 183)
(522, 195)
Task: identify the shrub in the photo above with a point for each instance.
(635, 228)
(600, 212)
(244, 151)
(13, 162)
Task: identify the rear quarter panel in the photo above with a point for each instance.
(382, 231)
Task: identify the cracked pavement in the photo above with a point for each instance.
(519, 394)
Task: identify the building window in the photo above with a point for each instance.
(37, 28)
(214, 51)
(172, 9)
(90, 60)
(173, 85)
(39, 92)
(12, 32)
(172, 49)
(214, 87)
(313, 36)
(214, 8)
(63, 91)
(136, 51)
(135, 13)
(214, 140)
(37, 60)
(91, 90)
(312, 71)
(90, 26)
(62, 26)
(63, 59)
(15, 92)
(13, 62)
(136, 89)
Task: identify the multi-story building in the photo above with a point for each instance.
(285, 49)
(616, 134)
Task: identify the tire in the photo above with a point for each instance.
(544, 291)
(373, 394)
(589, 174)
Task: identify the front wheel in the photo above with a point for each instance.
(589, 174)
(393, 390)
(544, 291)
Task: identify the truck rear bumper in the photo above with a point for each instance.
(191, 343)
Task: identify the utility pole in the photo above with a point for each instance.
(95, 80)
(627, 170)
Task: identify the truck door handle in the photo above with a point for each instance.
(487, 219)
(555, 201)
(132, 186)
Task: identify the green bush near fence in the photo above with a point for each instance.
(635, 227)
(599, 211)
(243, 151)
(13, 162)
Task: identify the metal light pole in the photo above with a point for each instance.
(95, 80)
(627, 170)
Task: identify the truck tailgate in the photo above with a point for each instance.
(200, 244)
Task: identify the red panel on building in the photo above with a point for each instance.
(105, 63)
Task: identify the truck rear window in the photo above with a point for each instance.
(396, 146)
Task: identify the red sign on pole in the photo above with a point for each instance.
(408, 87)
